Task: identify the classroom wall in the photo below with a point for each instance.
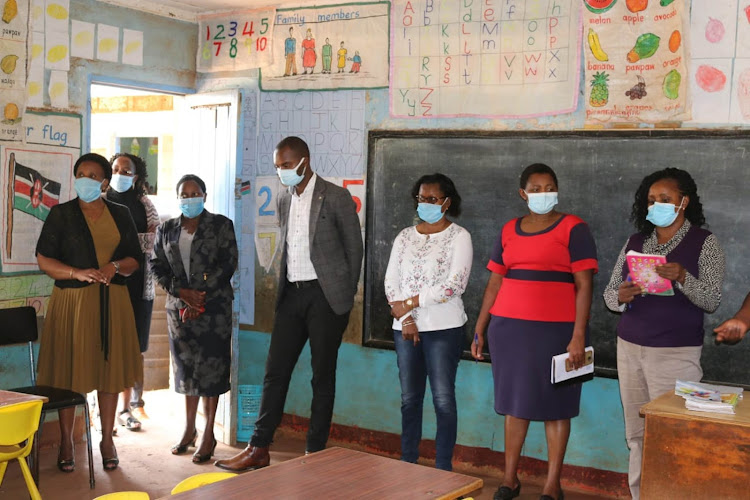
(168, 63)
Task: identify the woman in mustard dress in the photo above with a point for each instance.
(89, 342)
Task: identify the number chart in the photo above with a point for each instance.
(504, 59)
(235, 40)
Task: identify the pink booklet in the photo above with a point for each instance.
(642, 269)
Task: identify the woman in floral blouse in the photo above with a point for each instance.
(427, 273)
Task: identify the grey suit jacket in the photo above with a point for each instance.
(335, 243)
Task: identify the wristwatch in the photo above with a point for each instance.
(409, 303)
(117, 266)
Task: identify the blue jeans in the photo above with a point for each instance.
(435, 356)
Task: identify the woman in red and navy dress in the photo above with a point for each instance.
(537, 304)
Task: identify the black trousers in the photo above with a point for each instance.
(303, 314)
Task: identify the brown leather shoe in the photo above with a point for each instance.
(250, 458)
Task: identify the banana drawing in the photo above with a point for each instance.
(596, 46)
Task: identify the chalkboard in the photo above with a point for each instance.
(598, 175)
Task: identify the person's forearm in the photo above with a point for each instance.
(54, 268)
(743, 314)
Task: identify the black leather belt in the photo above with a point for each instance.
(303, 284)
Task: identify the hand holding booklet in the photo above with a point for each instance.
(642, 269)
(562, 368)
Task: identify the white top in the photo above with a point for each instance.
(299, 267)
(185, 243)
(436, 267)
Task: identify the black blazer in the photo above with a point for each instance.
(66, 237)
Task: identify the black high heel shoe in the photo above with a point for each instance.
(199, 459)
(181, 448)
(109, 464)
(66, 466)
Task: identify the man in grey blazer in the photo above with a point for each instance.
(321, 244)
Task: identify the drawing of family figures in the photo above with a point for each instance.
(309, 57)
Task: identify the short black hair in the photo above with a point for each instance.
(446, 186)
(190, 177)
(95, 158)
(536, 168)
(295, 144)
(140, 170)
(686, 186)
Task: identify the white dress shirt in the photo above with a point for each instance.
(299, 267)
(436, 267)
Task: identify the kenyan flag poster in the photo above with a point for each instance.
(33, 193)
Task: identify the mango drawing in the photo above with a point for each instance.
(8, 64)
(709, 78)
(36, 50)
(645, 46)
(599, 6)
(596, 46)
(10, 11)
(34, 88)
(11, 113)
(57, 89)
(675, 39)
(714, 30)
(743, 93)
(57, 11)
(671, 85)
(132, 46)
(57, 53)
(107, 44)
(636, 5)
(83, 38)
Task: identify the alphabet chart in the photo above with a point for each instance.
(509, 58)
(235, 41)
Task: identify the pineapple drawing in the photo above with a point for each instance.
(599, 90)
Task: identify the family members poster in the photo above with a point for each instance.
(333, 47)
(517, 58)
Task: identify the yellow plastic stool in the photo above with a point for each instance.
(199, 480)
(125, 495)
(18, 423)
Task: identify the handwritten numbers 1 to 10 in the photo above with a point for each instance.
(226, 34)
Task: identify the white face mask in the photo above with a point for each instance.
(289, 176)
(542, 203)
(121, 183)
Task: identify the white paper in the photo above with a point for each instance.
(713, 26)
(266, 244)
(56, 54)
(82, 39)
(710, 85)
(132, 47)
(36, 52)
(36, 16)
(35, 86)
(58, 89)
(739, 111)
(743, 30)
(107, 42)
(558, 372)
(57, 15)
(267, 190)
(13, 54)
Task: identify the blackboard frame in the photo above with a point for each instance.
(732, 297)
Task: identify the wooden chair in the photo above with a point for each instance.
(18, 326)
(18, 424)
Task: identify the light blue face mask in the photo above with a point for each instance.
(289, 176)
(430, 213)
(542, 203)
(88, 189)
(121, 183)
(191, 207)
(663, 214)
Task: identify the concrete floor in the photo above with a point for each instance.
(147, 465)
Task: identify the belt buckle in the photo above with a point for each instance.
(297, 285)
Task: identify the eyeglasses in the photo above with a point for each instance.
(430, 199)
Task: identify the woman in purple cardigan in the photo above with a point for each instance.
(660, 338)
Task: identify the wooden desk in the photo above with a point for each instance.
(689, 454)
(11, 398)
(339, 473)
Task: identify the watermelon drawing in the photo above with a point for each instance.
(599, 6)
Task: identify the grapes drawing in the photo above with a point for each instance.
(637, 91)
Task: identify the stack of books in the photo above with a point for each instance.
(708, 397)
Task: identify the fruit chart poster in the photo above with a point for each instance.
(14, 30)
(501, 59)
(635, 60)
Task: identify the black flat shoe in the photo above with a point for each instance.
(199, 459)
(181, 448)
(505, 493)
(547, 497)
(66, 466)
(109, 464)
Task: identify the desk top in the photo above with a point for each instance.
(11, 398)
(672, 405)
(339, 473)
